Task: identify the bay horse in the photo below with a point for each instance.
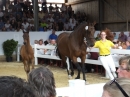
(27, 53)
(72, 45)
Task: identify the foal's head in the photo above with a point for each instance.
(89, 34)
(25, 37)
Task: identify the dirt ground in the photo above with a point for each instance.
(60, 75)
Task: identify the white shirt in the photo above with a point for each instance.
(51, 19)
(40, 51)
(25, 25)
(7, 26)
(51, 52)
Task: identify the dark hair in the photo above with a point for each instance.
(43, 81)
(40, 83)
(46, 42)
(12, 86)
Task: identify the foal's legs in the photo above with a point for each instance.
(32, 63)
(26, 66)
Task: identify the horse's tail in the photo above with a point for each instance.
(57, 52)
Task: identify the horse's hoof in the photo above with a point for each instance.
(86, 83)
(69, 76)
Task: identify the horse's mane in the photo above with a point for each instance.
(80, 28)
(109, 34)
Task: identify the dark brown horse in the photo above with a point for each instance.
(27, 53)
(72, 45)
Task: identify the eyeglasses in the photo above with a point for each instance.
(120, 88)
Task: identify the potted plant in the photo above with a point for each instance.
(9, 47)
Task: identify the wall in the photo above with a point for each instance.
(115, 12)
(90, 7)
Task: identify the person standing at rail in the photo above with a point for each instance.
(104, 46)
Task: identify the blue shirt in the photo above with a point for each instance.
(128, 47)
(40, 29)
(53, 36)
(1, 25)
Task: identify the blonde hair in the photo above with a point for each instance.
(125, 59)
(114, 91)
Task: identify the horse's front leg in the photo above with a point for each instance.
(78, 75)
(78, 68)
(32, 63)
(83, 69)
(71, 67)
(26, 66)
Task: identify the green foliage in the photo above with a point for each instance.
(9, 47)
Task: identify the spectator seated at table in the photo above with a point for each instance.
(51, 52)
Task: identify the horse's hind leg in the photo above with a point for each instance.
(83, 71)
(78, 76)
(65, 64)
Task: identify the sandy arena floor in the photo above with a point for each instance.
(60, 75)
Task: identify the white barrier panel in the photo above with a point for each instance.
(92, 90)
(77, 88)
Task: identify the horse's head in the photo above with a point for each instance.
(89, 34)
(25, 37)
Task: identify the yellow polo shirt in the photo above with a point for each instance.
(104, 46)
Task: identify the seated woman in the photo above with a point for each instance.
(41, 51)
